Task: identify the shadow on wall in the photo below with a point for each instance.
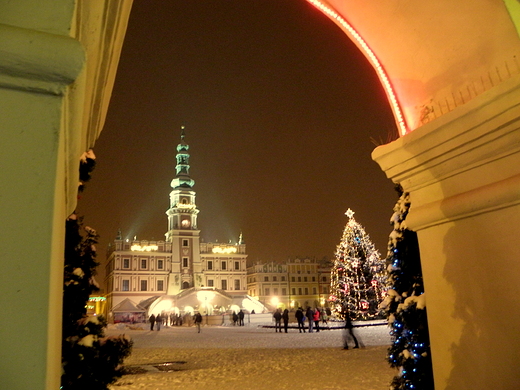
(485, 282)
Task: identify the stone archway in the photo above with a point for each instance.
(461, 166)
(459, 160)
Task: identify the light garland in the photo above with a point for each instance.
(144, 248)
(185, 206)
(403, 128)
(357, 275)
(225, 250)
(97, 299)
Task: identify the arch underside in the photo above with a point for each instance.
(436, 55)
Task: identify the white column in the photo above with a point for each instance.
(36, 68)
(463, 173)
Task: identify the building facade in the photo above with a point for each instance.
(295, 283)
(143, 271)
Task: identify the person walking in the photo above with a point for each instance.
(348, 332)
(325, 318)
(158, 321)
(285, 318)
(240, 318)
(310, 317)
(277, 320)
(197, 318)
(299, 318)
(316, 319)
(152, 321)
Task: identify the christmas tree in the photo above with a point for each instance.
(406, 306)
(89, 359)
(358, 274)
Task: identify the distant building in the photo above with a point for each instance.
(155, 275)
(292, 284)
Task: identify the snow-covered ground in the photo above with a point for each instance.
(254, 358)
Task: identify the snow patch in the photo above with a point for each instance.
(87, 341)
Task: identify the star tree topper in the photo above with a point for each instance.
(349, 213)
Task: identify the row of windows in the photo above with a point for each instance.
(143, 264)
(223, 265)
(185, 263)
(305, 279)
(275, 278)
(224, 284)
(125, 286)
(300, 290)
(293, 279)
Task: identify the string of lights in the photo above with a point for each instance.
(405, 305)
(365, 48)
(358, 274)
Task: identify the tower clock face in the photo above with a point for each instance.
(185, 223)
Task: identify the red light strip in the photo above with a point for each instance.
(403, 129)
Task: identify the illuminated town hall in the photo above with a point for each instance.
(180, 274)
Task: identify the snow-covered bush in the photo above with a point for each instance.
(405, 305)
(89, 359)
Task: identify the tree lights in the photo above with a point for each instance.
(357, 276)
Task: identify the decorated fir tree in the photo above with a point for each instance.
(89, 359)
(405, 305)
(358, 274)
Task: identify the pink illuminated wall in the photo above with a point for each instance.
(431, 57)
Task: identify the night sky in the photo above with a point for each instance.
(280, 110)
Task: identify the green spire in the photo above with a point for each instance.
(182, 176)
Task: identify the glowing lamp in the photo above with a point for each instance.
(97, 299)
(205, 295)
(225, 249)
(144, 248)
(185, 206)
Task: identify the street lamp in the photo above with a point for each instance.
(205, 296)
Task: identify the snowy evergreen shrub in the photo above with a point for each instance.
(405, 305)
(89, 359)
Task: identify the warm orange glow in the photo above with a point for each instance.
(225, 249)
(327, 10)
(144, 248)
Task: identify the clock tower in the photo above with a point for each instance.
(186, 269)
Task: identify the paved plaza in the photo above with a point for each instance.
(254, 357)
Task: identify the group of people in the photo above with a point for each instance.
(238, 318)
(165, 319)
(314, 317)
(278, 317)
